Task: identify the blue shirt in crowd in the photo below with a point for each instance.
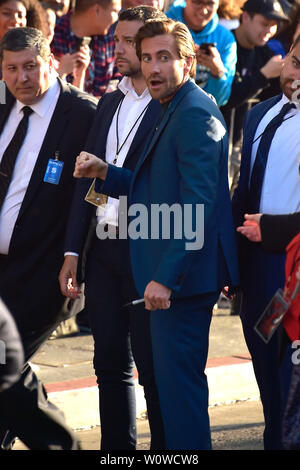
(220, 88)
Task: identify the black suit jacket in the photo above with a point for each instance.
(29, 276)
(82, 213)
(278, 230)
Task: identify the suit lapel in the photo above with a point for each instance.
(156, 132)
(108, 111)
(143, 131)
(186, 88)
(50, 144)
(260, 114)
(252, 125)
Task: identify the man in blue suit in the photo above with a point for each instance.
(124, 119)
(269, 183)
(183, 166)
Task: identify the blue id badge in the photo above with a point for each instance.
(53, 171)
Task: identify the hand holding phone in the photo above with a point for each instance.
(81, 56)
(81, 42)
(208, 56)
(205, 47)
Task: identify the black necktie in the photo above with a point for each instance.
(261, 158)
(10, 154)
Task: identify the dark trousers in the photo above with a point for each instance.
(180, 337)
(122, 337)
(24, 408)
(265, 274)
(27, 414)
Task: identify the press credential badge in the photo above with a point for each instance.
(54, 170)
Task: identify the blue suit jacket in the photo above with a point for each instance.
(184, 162)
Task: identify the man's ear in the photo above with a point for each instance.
(51, 62)
(188, 64)
(97, 9)
(245, 18)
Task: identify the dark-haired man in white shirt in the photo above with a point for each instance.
(269, 183)
(43, 125)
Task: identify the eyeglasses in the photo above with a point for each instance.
(209, 5)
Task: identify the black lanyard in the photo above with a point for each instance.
(117, 129)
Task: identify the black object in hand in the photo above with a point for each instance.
(81, 42)
(205, 46)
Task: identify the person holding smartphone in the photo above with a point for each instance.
(91, 68)
(215, 46)
(76, 63)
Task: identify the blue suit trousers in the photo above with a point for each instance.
(180, 347)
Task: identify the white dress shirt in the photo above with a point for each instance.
(37, 127)
(129, 110)
(281, 185)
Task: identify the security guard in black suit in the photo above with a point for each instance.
(33, 211)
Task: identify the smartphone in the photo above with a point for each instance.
(81, 42)
(206, 45)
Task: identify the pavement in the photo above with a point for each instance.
(65, 367)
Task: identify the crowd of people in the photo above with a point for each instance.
(149, 103)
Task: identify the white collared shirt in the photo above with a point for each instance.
(281, 185)
(129, 110)
(37, 127)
